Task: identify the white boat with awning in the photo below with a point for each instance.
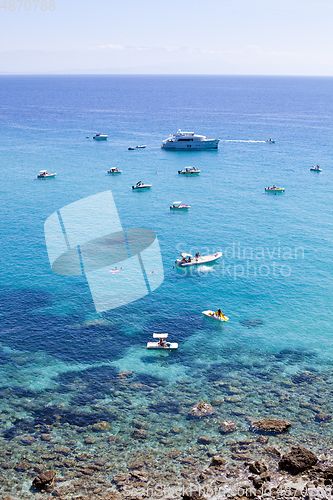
(189, 171)
(178, 205)
(161, 343)
(44, 174)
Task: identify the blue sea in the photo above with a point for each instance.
(62, 363)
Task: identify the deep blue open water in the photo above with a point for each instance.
(274, 280)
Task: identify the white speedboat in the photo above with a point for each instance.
(178, 205)
(188, 259)
(141, 185)
(189, 171)
(161, 344)
(114, 170)
(218, 315)
(274, 189)
(316, 168)
(271, 141)
(100, 137)
(143, 146)
(131, 149)
(43, 174)
(189, 141)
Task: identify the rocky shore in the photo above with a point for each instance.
(130, 437)
(299, 473)
(254, 467)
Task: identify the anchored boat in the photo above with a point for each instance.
(316, 168)
(188, 259)
(100, 137)
(178, 205)
(162, 343)
(189, 141)
(43, 174)
(189, 171)
(274, 189)
(114, 170)
(141, 185)
(218, 315)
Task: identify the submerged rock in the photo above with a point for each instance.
(140, 476)
(217, 402)
(6, 465)
(201, 409)
(217, 461)
(271, 450)
(192, 495)
(251, 322)
(205, 440)
(272, 425)
(323, 417)
(46, 437)
(89, 440)
(257, 482)
(140, 425)
(22, 466)
(176, 430)
(121, 479)
(298, 460)
(304, 377)
(27, 440)
(113, 439)
(125, 375)
(139, 434)
(227, 426)
(102, 426)
(257, 468)
(44, 480)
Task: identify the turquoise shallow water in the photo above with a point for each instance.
(274, 280)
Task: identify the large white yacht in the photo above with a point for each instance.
(189, 140)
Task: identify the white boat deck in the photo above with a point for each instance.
(194, 261)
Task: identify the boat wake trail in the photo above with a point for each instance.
(238, 140)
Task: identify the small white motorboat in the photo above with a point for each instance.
(189, 171)
(178, 205)
(131, 149)
(100, 137)
(271, 141)
(188, 259)
(218, 315)
(114, 170)
(43, 174)
(161, 344)
(316, 168)
(141, 185)
(274, 189)
(143, 146)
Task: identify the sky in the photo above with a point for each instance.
(250, 37)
